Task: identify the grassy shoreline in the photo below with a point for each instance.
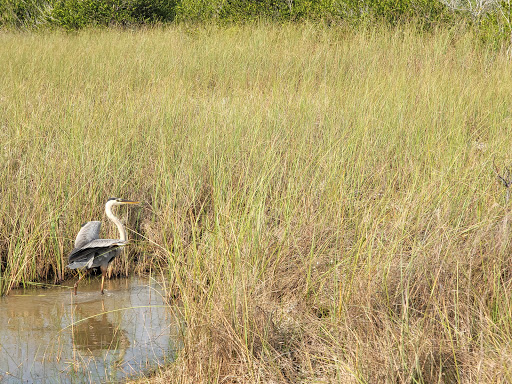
(322, 200)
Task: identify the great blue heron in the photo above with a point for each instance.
(90, 251)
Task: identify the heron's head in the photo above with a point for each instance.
(118, 201)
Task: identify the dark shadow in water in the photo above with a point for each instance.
(51, 336)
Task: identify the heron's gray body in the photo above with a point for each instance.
(90, 251)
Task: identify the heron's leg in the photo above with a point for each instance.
(103, 273)
(80, 278)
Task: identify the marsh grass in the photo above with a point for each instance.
(321, 200)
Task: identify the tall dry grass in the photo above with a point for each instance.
(322, 201)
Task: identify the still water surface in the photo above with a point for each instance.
(52, 336)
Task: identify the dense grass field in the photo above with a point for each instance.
(322, 202)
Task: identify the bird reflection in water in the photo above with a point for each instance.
(96, 335)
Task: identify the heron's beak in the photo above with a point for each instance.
(129, 202)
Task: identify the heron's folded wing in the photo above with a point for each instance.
(104, 243)
(90, 231)
(82, 258)
(90, 257)
(97, 245)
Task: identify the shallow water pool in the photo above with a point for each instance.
(52, 336)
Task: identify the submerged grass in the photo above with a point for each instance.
(322, 200)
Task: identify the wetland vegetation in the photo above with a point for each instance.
(319, 200)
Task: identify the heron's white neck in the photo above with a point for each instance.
(115, 220)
